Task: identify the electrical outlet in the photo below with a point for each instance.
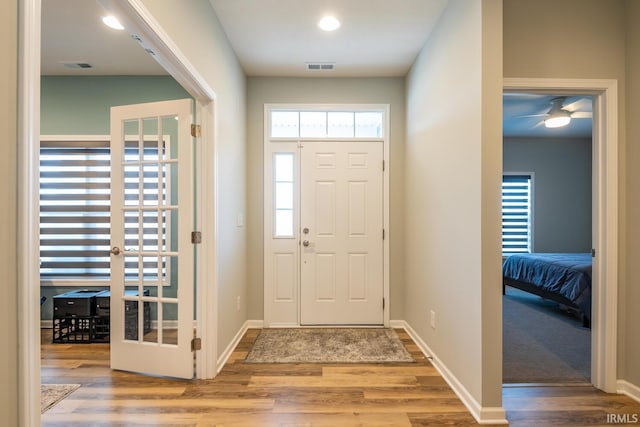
(238, 303)
(433, 319)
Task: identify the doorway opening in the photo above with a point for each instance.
(604, 213)
(325, 215)
(29, 126)
(546, 232)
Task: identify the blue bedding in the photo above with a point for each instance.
(568, 275)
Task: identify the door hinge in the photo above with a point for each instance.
(196, 344)
(196, 237)
(195, 131)
(383, 234)
(383, 303)
(593, 253)
(383, 165)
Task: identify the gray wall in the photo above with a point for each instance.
(264, 90)
(80, 106)
(453, 171)
(562, 189)
(197, 33)
(629, 368)
(8, 215)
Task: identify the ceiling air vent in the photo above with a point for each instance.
(320, 66)
(76, 65)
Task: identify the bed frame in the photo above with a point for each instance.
(533, 289)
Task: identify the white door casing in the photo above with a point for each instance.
(341, 219)
(152, 192)
(283, 230)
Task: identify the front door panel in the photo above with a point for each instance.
(341, 241)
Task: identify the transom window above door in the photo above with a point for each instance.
(326, 124)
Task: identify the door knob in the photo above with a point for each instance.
(305, 243)
(305, 230)
(115, 250)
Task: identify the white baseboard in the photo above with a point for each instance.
(222, 360)
(255, 324)
(483, 415)
(631, 390)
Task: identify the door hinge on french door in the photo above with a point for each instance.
(382, 303)
(196, 237)
(383, 234)
(383, 165)
(196, 344)
(195, 131)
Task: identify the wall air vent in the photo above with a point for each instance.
(76, 65)
(320, 66)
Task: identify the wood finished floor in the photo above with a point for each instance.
(401, 394)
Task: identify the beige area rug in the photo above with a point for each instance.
(332, 345)
(50, 394)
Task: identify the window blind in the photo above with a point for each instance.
(75, 235)
(516, 214)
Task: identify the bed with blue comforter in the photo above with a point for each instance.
(561, 277)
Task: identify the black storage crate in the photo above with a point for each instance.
(71, 326)
(131, 320)
(73, 329)
(101, 329)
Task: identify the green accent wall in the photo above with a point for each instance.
(81, 106)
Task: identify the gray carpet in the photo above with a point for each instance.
(328, 345)
(543, 343)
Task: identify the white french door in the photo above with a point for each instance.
(341, 224)
(152, 257)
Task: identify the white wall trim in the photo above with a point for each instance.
(604, 325)
(28, 248)
(255, 324)
(631, 390)
(483, 415)
(270, 307)
(226, 354)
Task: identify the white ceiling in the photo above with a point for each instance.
(72, 31)
(277, 38)
(377, 37)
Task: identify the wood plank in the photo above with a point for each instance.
(244, 394)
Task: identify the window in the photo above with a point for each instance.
(283, 168)
(516, 213)
(75, 206)
(326, 124)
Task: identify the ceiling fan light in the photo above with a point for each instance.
(557, 121)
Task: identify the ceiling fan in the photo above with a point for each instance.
(560, 115)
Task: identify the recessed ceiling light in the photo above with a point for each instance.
(329, 23)
(112, 22)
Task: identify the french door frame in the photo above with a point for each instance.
(272, 314)
(135, 15)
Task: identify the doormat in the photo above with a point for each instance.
(50, 394)
(331, 345)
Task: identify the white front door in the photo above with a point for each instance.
(152, 257)
(341, 223)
